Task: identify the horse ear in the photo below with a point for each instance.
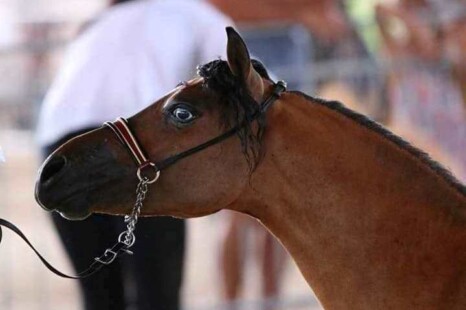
(240, 64)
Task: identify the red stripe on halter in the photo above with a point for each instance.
(121, 129)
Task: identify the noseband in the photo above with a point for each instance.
(122, 130)
(125, 135)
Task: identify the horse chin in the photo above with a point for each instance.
(71, 213)
(74, 216)
(70, 208)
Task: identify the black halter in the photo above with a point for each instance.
(121, 129)
(123, 132)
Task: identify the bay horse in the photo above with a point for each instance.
(371, 221)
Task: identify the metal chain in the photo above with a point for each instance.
(127, 237)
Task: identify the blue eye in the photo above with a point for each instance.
(182, 115)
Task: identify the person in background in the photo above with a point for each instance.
(322, 18)
(425, 43)
(452, 28)
(131, 55)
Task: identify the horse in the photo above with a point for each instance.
(371, 221)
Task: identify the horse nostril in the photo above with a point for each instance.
(52, 167)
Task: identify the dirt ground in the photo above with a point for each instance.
(26, 284)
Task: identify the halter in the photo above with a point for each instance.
(127, 238)
(122, 130)
(125, 135)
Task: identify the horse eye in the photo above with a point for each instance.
(183, 115)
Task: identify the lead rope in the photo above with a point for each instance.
(125, 240)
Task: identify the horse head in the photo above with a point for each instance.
(95, 173)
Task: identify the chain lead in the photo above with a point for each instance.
(127, 237)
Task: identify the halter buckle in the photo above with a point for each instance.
(145, 178)
(108, 257)
(127, 238)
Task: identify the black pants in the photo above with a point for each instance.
(149, 279)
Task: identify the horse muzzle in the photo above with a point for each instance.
(52, 168)
(51, 190)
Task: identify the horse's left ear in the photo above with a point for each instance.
(240, 64)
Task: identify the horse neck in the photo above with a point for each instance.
(369, 225)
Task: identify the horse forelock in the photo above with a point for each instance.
(237, 106)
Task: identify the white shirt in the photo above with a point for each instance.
(130, 57)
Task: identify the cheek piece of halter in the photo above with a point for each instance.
(126, 239)
(122, 130)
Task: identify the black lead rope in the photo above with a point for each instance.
(108, 257)
(123, 244)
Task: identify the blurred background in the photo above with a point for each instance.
(399, 61)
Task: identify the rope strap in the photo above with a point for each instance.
(109, 255)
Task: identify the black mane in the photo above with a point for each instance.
(239, 105)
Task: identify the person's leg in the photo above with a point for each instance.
(273, 258)
(158, 262)
(233, 256)
(85, 240)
